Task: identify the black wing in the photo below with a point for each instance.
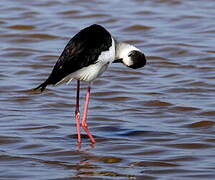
(81, 51)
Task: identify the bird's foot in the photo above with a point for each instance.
(85, 127)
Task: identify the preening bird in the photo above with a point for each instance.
(86, 56)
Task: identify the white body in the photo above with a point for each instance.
(91, 72)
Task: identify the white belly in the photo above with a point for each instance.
(89, 73)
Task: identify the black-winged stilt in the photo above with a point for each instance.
(86, 56)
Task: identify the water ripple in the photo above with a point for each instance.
(149, 123)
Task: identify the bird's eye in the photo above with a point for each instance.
(130, 54)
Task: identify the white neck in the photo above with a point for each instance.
(122, 52)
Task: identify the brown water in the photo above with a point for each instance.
(152, 123)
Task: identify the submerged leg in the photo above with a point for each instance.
(84, 121)
(77, 113)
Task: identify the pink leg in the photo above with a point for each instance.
(84, 122)
(77, 113)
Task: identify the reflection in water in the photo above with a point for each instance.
(86, 164)
(86, 167)
(151, 123)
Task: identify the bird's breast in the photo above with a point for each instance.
(109, 55)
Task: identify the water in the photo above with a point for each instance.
(153, 123)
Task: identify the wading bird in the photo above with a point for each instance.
(86, 56)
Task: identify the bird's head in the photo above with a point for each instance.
(130, 56)
(136, 59)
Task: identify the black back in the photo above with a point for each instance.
(81, 51)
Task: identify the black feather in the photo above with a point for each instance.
(41, 87)
(81, 51)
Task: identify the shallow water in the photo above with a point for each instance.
(152, 123)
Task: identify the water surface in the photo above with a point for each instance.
(153, 123)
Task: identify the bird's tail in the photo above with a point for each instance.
(41, 87)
